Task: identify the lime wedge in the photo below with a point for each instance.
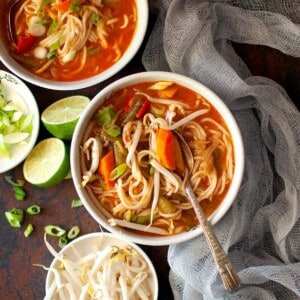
(61, 117)
(48, 163)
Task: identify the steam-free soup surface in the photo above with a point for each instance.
(68, 40)
(132, 161)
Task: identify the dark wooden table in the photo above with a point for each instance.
(19, 278)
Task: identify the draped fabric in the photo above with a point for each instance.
(261, 232)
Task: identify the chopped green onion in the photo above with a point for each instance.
(15, 217)
(75, 5)
(19, 193)
(95, 18)
(63, 241)
(54, 230)
(73, 232)
(33, 210)
(52, 27)
(28, 231)
(53, 48)
(118, 171)
(113, 130)
(10, 180)
(106, 115)
(76, 203)
(15, 123)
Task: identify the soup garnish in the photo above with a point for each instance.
(67, 40)
(131, 157)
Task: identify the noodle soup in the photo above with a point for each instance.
(69, 40)
(131, 162)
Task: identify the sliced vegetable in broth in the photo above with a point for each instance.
(147, 194)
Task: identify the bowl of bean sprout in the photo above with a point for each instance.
(127, 162)
(101, 266)
(69, 45)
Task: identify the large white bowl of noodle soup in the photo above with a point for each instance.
(8, 55)
(92, 204)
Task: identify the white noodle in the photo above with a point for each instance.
(164, 101)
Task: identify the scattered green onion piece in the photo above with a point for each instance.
(28, 231)
(95, 18)
(19, 193)
(113, 130)
(75, 5)
(33, 210)
(76, 203)
(54, 230)
(18, 182)
(14, 217)
(73, 232)
(63, 241)
(118, 171)
(106, 115)
(53, 48)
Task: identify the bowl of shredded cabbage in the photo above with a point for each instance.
(100, 266)
(19, 121)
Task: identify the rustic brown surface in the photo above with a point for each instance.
(19, 279)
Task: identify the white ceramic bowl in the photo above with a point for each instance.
(10, 63)
(18, 92)
(91, 204)
(97, 241)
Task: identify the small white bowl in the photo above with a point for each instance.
(92, 205)
(17, 91)
(97, 241)
(10, 63)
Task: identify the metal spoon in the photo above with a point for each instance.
(227, 272)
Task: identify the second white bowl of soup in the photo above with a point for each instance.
(69, 45)
(125, 158)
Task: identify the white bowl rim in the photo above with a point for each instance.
(114, 240)
(218, 104)
(30, 101)
(134, 46)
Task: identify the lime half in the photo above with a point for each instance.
(48, 163)
(61, 117)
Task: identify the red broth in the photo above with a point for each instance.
(118, 20)
(218, 158)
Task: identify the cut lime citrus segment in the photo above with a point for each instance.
(47, 164)
(61, 117)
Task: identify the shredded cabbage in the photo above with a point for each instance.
(15, 124)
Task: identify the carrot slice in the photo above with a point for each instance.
(106, 165)
(165, 148)
(63, 6)
(178, 155)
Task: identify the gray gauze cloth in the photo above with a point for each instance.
(261, 231)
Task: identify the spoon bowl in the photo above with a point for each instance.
(227, 272)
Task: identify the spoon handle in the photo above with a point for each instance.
(227, 272)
